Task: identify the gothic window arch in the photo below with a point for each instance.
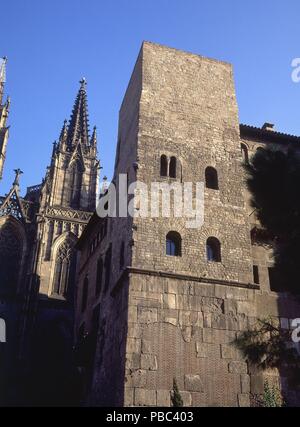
(73, 184)
(11, 254)
(76, 184)
(64, 269)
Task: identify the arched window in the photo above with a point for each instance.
(172, 167)
(245, 154)
(64, 269)
(211, 178)
(122, 255)
(213, 249)
(163, 165)
(11, 248)
(72, 185)
(85, 292)
(107, 265)
(173, 244)
(76, 185)
(99, 276)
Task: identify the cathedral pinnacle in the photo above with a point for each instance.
(3, 62)
(18, 172)
(94, 137)
(83, 82)
(78, 127)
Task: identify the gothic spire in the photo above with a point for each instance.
(78, 127)
(3, 62)
(4, 110)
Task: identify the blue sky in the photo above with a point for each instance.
(51, 44)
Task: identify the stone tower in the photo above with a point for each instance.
(168, 300)
(4, 110)
(178, 123)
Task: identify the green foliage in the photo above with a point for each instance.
(176, 396)
(267, 345)
(274, 182)
(272, 397)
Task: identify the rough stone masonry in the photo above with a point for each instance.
(163, 317)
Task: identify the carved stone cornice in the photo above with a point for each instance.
(66, 214)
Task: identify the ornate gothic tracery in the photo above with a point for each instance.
(64, 268)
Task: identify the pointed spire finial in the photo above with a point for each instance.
(3, 62)
(18, 172)
(64, 132)
(94, 137)
(78, 126)
(82, 83)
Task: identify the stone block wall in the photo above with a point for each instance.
(176, 317)
(184, 330)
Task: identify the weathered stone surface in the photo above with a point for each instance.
(245, 383)
(147, 315)
(257, 384)
(169, 316)
(238, 367)
(244, 400)
(230, 306)
(207, 320)
(186, 398)
(207, 350)
(190, 318)
(186, 333)
(170, 301)
(218, 336)
(137, 378)
(246, 307)
(193, 382)
(163, 398)
(134, 330)
(218, 321)
(149, 361)
(133, 361)
(128, 396)
(133, 345)
(143, 397)
(146, 346)
(227, 351)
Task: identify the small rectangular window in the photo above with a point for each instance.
(255, 275)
